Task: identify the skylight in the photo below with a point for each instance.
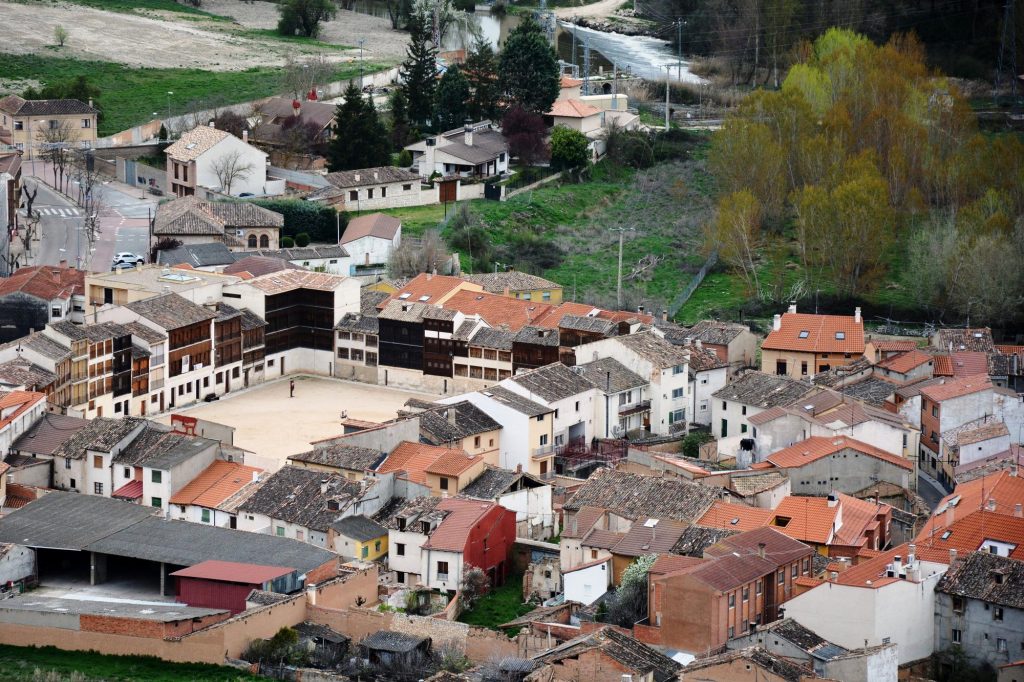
(804, 333)
(945, 536)
(650, 523)
(423, 299)
(840, 335)
(404, 296)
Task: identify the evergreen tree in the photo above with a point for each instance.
(360, 139)
(528, 70)
(481, 70)
(450, 99)
(418, 73)
(402, 132)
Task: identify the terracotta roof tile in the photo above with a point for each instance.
(230, 571)
(215, 484)
(894, 346)
(453, 531)
(808, 333)
(816, 447)
(572, 108)
(437, 289)
(372, 225)
(196, 142)
(416, 458)
(873, 570)
(956, 388)
(970, 530)
(453, 463)
(739, 517)
(497, 310)
(48, 282)
(904, 362)
(16, 403)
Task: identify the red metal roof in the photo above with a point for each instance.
(233, 572)
(132, 490)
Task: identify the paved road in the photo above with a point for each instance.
(59, 229)
(930, 489)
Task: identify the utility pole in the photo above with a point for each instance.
(586, 65)
(668, 83)
(361, 41)
(618, 286)
(679, 46)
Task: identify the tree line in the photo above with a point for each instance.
(865, 160)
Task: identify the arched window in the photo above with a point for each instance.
(264, 241)
(252, 241)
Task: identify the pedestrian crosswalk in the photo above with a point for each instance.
(66, 212)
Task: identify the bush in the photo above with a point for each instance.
(282, 648)
(302, 239)
(316, 220)
(287, 242)
(405, 158)
(569, 148)
(693, 441)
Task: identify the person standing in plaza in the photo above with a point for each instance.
(291, 388)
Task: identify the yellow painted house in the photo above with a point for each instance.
(521, 285)
(357, 537)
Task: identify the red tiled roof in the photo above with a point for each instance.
(257, 266)
(572, 108)
(568, 82)
(969, 363)
(894, 346)
(1001, 487)
(602, 539)
(132, 490)
(967, 533)
(670, 563)
(16, 403)
(942, 366)
(497, 310)
(904, 362)
(453, 531)
(1010, 350)
(820, 334)
(738, 517)
(589, 564)
(48, 282)
(956, 388)
(233, 572)
(434, 287)
(642, 539)
(215, 484)
(811, 519)
(874, 570)
(415, 459)
(816, 447)
(586, 517)
(452, 463)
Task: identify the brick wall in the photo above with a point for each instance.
(322, 573)
(138, 627)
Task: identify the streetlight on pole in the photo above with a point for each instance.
(361, 41)
(169, 93)
(668, 82)
(618, 286)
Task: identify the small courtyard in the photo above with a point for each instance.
(273, 426)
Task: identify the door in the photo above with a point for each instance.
(725, 428)
(282, 365)
(161, 401)
(780, 367)
(245, 378)
(227, 381)
(142, 408)
(233, 523)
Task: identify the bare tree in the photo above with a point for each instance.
(91, 226)
(413, 257)
(83, 171)
(56, 139)
(60, 34)
(30, 198)
(302, 75)
(230, 168)
(27, 233)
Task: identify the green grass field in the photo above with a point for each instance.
(303, 41)
(500, 605)
(19, 663)
(130, 96)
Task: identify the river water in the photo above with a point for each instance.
(641, 55)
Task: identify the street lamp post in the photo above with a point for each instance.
(169, 93)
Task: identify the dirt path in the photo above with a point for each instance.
(173, 42)
(597, 10)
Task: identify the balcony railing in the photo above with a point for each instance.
(635, 408)
(543, 451)
(153, 385)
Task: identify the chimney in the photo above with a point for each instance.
(468, 134)
(255, 476)
(700, 344)
(213, 124)
(911, 553)
(856, 315)
(950, 515)
(777, 323)
(63, 263)
(311, 594)
(430, 276)
(664, 316)
(897, 564)
(991, 504)
(687, 341)
(245, 136)
(90, 103)
(792, 307)
(952, 556)
(296, 107)
(451, 415)
(833, 500)
(376, 175)
(760, 549)
(1017, 510)
(519, 468)
(323, 486)
(640, 309)
(357, 177)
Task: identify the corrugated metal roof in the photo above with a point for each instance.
(233, 572)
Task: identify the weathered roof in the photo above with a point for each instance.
(807, 333)
(610, 375)
(488, 337)
(452, 533)
(257, 266)
(46, 282)
(145, 332)
(715, 332)
(537, 336)
(417, 509)
(586, 323)
(18, 106)
(171, 311)
(696, 539)
(494, 481)
(738, 517)
(487, 144)
(48, 434)
(363, 177)
(762, 658)
(403, 311)
(378, 225)
(196, 142)
(763, 390)
(515, 401)
(360, 324)
(956, 388)
(44, 345)
(654, 349)
(628, 652)
(704, 360)
(100, 434)
(216, 483)
(635, 496)
(552, 382)
(988, 577)
(872, 390)
(752, 484)
(20, 372)
(193, 216)
(342, 456)
(904, 362)
(295, 495)
(450, 423)
(209, 254)
(978, 339)
(654, 536)
(512, 280)
(816, 447)
(389, 640)
(497, 310)
(311, 630)
(359, 528)
(290, 280)
(572, 108)
(264, 598)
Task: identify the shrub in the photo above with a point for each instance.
(287, 242)
(693, 441)
(405, 158)
(316, 220)
(302, 239)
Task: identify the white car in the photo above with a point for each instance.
(128, 258)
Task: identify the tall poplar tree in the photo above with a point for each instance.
(419, 73)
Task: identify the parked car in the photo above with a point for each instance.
(127, 257)
(122, 266)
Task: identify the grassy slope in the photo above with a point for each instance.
(18, 663)
(130, 96)
(133, 7)
(500, 605)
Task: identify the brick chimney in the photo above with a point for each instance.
(467, 131)
(777, 322)
(245, 136)
(856, 315)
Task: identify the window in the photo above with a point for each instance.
(73, 485)
(206, 516)
(279, 531)
(55, 312)
(677, 393)
(300, 535)
(252, 241)
(543, 439)
(593, 552)
(545, 296)
(997, 613)
(935, 410)
(127, 472)
(442, 570)
(97, 461)
(795, 571)
(703, 406)
(732, 632)
(67, 462)
(369, 193)
(678, 369)
(19, 125)
(804, 334)
(264, 241)
(444, 483)
(476, 441)
(732, 601)
(803, 367)
(220, 377)
(782, 577)
(156, 502)
(676, 416)
(746, 594)
(353, 195)
(343, 353)
(757, 587)
(958, 604)
(366, 550)
(540, 417)
(1000, 644)
(376, 546)
(840, 336)
(406, 188)
(743, 428)
(725, 428)
(383, 192)
(400, 548)
(158, 476)
(97, 488)
(956, 636)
